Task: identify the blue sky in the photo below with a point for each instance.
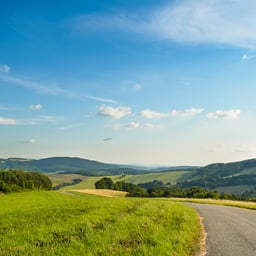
(146, 82)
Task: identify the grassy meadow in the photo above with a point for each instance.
(54, 223)
(89, 181)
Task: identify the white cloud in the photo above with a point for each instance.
(247, 57)
(149, 114)
(186, 112)
(133, 125)
(153, 126)
(136, 87)
(228, 22)
(131, 87)
(114, 113)
(35, 106)
(7, 121)
(229, 114)
(32, 141)
(4, 68)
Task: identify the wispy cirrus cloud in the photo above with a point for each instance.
(69, 127)
(224, 114)
(228, 22)
(99, 99)
(53, 89)
(149, 114)
(47, 119)
(35, 86)
(114, 113)
(7, 121)
(129, 126)
(131, 87)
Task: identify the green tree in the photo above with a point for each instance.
(104, 183)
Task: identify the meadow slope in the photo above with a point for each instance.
(54, 223)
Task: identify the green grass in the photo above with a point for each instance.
(57, 179)
(88, 182)
(165, 177)
(240, 204)
(52, 223)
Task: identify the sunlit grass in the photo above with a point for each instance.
(51, 223)
(241, 204)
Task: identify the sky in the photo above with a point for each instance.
(166, 82)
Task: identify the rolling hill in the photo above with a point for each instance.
(235, 177)
(74, 165)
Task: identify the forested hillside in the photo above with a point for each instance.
(241, 175)
(69, 165)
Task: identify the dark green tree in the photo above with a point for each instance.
(104, 183)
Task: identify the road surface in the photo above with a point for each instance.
(230, 231)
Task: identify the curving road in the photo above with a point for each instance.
(230, 231)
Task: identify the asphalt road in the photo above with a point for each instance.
(230, 231)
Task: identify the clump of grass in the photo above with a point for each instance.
(51, 223)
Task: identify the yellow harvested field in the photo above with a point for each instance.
(101, 192)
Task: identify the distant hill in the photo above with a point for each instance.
(75, 165)
(236, 177)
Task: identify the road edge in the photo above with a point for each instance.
(203, 236)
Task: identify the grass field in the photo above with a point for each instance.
(54, 223)
(88, 182)
(165, 177)
(57, 179)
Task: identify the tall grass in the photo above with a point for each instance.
(51, 223)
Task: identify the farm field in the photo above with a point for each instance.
(88, 182)
(54, 223)
(166, 177)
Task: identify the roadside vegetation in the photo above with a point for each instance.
(241, 204)
(54, 223)
(158, 189)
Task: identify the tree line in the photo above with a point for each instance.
(161, 190)
(18, 180)
(132, 189)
